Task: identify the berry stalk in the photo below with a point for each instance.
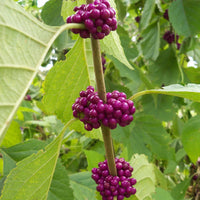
(102, 94)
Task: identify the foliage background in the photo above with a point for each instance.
(162, 144)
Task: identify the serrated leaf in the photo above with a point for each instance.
(93, 158)
(147, 14)
(162, 194)
(160, 106)
(60, 188)
(178, 192)
(111, 45)
(23, 150)
(189, 91)
(151, 41)
(162, 72)
(154, 135)
(144, 174)
(32, 177)
(8, 163)
(188, 12)
(190, 138)
(20, 34)
(83, 186)
(130, 48)
(65, 81)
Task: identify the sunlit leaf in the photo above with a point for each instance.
(32, 177)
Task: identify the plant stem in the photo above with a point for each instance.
(98, 70)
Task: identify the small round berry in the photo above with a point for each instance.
(108, 108)
(106, 29)
(105, 14)
(105, 173)
(112, 123)
(132, 181)
(119, 166)
(69, 19)
(90, 6)
(85, 15)
(89, 23)
(120, 197)
(84, 34)
(76, 18)
(88, 127)
(100, 187)
(125, 184)
(101, 6)
(94, 13)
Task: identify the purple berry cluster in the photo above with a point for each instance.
(91, 110)
(98, 17)
(110, 186)
(169, 36)
(166, 15)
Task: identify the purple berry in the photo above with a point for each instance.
(137, 19)
(94, 13)
(84, 34)
(89, 23)
(88, 127)
(100, 187)
(166, 15)
(105, 14)
(76, 18)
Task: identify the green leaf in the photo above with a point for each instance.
(145, 176)
(8, 163)
(188, 12)
(151, 41)
(68, 6)
(111, 45)
(147, 14)
(30, 40)
(191, 137)
(60, 187)
(32, 177)
(130, 48)
(93, 158)
(83, 186)
(190, 91)
(161, 181)
(178, 192)
(193, 74)
(162, 194)
(13, 135)
(162, 72)
(145, 136)
(129, 137)
(154, 135)
(121, 8)
(51, 15)
(23, 150)
(64, 82)
(160, 106)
